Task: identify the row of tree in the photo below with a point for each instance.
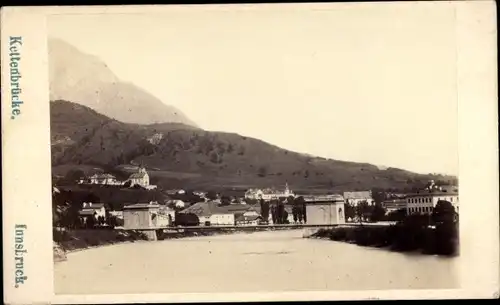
(279, 215)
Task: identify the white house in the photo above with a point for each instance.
(94, 210)
(425, 202)
(252, 220)
(140, 178)
(102, 179)
(209, 213)
(269, 193)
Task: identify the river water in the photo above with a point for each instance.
(243, 262)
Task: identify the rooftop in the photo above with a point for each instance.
(248, 218)
(137, 175)
(358, 195)
(141, 206)
(103, 176)
(323, 198)
(93, 206)
(432, 194)
(205, 209)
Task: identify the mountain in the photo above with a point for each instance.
(179, 155)
(85, 79)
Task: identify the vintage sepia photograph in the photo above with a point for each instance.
(255, 150)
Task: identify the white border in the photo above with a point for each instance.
(26, 159)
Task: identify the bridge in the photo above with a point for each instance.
(153, 233)
(273, 226)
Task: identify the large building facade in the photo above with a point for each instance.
(424, 203)
(325, 210)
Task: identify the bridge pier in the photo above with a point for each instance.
(150, 234)
(308, 232)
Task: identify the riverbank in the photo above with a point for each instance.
(440, 240)
(73, 240)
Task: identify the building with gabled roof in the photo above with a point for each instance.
(354, 198)
(141, 177)
(210, 213)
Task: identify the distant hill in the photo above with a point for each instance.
(179, 155)
(85, 79)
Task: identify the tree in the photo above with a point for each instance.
(274, 213)
(397, 215)
(295, 213)
(264, 209)
(378, 212)
(100, 220)
(444, 212)
(214, 157)
(212, 195)
(225, 200)
(378, 195)
(300, 203)
(73, 175)
(350, 211)
(284, 218)
(91, 221)
(262, 172)
(281, 213)
(362, 210)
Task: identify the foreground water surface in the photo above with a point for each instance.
(261, 261)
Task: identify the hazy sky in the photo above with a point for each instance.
(368, 83)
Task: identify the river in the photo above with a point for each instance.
(248, 262)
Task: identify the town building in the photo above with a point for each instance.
(252, 220)
(167, 215)
(354, 198)
(102, 179)
(425, 202)
(211, 214)
(95, 210)
(142, 216)
(269, 193)
(392, 205)
(141, 177)
(177, 203)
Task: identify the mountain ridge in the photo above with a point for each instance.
(85, 79)
(179, 155)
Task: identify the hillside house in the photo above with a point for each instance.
(269, 193)
(210, 213)
(140, 178)
(354, 198)
(102, 179)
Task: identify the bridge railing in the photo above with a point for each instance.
(275, 226)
